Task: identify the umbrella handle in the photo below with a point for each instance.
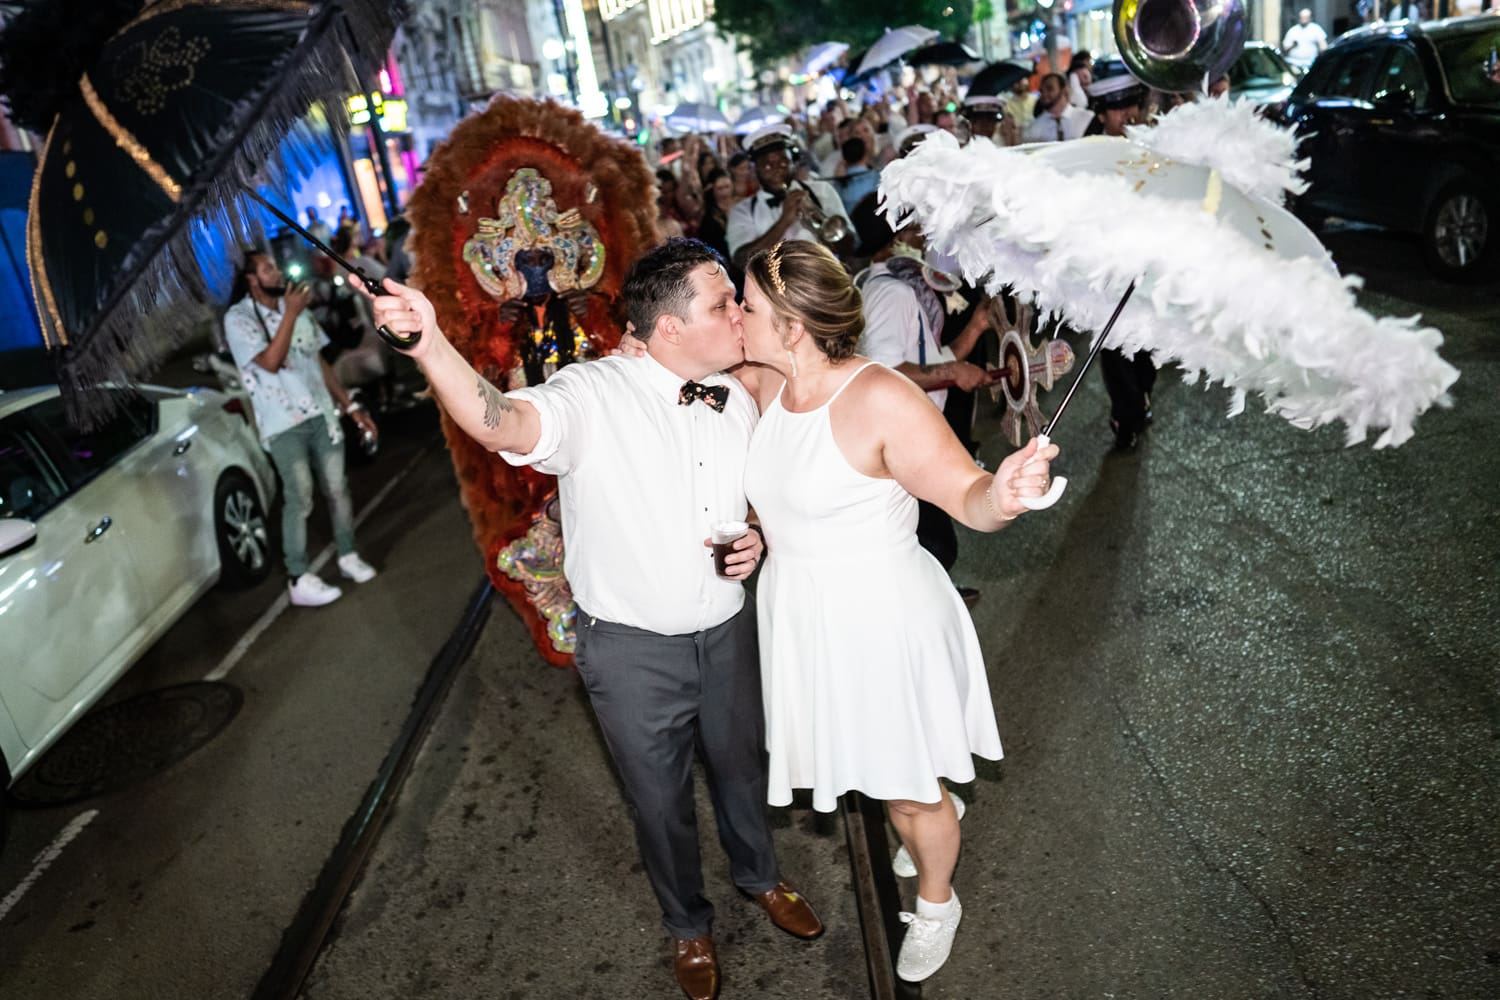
(1054, 492)
(388, 335)
(1060, 483)
(397, 341)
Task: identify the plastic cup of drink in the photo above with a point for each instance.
(723, 535)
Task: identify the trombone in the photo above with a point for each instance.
(829, 228)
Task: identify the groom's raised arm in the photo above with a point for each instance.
(481, 410)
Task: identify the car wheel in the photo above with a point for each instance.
(1460, 234)
(240, 525)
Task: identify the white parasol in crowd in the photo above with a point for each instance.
(700, 118)
(756, 118)
(1237, 290)
(892, 45)
(822, 56)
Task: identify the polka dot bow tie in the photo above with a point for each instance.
(714, 395)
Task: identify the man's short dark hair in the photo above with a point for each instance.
(853, 149)
(661, 282)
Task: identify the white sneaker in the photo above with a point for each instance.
(355, 568)
(902, 864)
(309, 591)
(927, 943)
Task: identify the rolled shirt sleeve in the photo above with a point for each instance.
(563, 404)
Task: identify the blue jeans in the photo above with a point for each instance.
(300, 453)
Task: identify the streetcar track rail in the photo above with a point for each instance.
(304, 939)
(876, 893)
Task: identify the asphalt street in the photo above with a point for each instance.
(1245, 676)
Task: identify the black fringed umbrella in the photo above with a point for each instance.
(942, 54)
(171, 124)
(996, 79)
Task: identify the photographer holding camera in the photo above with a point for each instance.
(297, 399)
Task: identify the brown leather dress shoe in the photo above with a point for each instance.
(697, 968)
(789, 911)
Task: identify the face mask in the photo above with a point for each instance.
(533, 266)
(275, 291)
(536, 281)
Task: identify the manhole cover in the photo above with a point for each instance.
(122, 743)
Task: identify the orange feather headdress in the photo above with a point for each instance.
(595, 205)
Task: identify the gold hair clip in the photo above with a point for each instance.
(773, 264)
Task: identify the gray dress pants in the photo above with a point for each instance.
(656, 697)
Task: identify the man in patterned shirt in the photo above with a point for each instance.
(297, 401)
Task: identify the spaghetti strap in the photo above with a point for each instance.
(851, 378)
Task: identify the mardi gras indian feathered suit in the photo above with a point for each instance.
(523, 228)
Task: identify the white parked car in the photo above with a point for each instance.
(107, 538)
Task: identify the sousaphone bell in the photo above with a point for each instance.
(1179, 45)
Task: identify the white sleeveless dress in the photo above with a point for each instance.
(872, 673)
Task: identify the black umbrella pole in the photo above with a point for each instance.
(390, 336)
(1093, 353)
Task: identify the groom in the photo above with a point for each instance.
(650, 452)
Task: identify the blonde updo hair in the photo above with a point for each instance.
(805, 281)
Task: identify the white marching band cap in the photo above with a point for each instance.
(769, 137)
(984, 104)
(911, 132)
(1110, 86)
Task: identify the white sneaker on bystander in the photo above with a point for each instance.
(355, 568)
(309, 591)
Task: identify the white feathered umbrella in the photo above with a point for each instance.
(1237, 290)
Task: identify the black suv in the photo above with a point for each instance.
(1402, 124)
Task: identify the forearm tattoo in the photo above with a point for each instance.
(495, 404)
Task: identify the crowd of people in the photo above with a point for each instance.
(841, 147)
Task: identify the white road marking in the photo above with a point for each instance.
(44, 860)
(267, 619)
(75, 826)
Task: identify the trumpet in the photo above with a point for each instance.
(829, 228)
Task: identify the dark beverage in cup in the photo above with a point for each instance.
(723, 535)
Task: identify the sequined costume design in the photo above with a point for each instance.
(523, 228)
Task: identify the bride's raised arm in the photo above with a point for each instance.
(922, 453)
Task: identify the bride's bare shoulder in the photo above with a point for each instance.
(881, 389)
(762, 382)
